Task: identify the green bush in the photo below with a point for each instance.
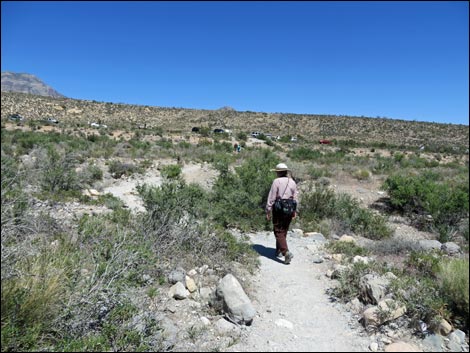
(421, 295)
(242, 136)
(178, 226)
(58, 172)
(317, 203)
(304, 153)
(349, 286)
(346, 248)
(33, 298)
(118, 169)
(239, 197)
(14, 200)
(320, 202)
(172, 171)
(453, 277)
(424, 263)
(446, 202)
(361, 174)
(318, 172)
(165, 143)
(90, 174)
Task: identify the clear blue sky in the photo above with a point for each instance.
(400, 60)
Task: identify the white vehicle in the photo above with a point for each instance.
(52, 121)
(98, 125)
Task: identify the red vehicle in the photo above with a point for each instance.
(325, 142)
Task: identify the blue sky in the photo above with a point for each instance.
(400, 60)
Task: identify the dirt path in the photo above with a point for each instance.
(294, 312)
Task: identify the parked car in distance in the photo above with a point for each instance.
(15, 117)
(325, 142)
(195, 129)
(97, 125)
(255, 134)
(51, 120)
(219, 131)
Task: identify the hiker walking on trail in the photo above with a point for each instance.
(282, 202)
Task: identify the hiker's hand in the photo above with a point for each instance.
(268, 216)
(294, 215)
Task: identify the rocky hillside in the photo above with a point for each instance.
(309, 127)
(27, 83)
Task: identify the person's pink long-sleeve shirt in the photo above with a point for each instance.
(277, 190)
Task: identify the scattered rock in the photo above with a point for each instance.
(347, 238)
(451, 248)
(178, 291)
(177, 275)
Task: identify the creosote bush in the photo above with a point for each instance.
(319, 202)
(446, 202)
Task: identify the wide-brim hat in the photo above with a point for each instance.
(281, 167)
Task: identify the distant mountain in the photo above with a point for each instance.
(27, 83)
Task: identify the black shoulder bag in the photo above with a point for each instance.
(285, 207)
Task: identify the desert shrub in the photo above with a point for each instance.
(421, 295)
(446, 202)
(110, 201)
(424, 262)
(118, 169)
(90, 174)
(184, 145)
(172, 171)
(242, 136)
(346, 248)
(382, 165)
(14, 200)
(464, 229)
(398, 157)
(31, 301)
(360, 220)
(319, 202)
(164, 143)
(139, 144)
(239, 197)
(453, 277)
(434, 287)
(177, 226)
(348, 286)
(317, 173)
(393, 245)
(223, 146)
(304, 153)
(57, 171)
(361, 174)
(234, 248)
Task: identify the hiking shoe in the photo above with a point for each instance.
(278, 254)
(289, 256)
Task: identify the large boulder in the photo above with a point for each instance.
(236, 304)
